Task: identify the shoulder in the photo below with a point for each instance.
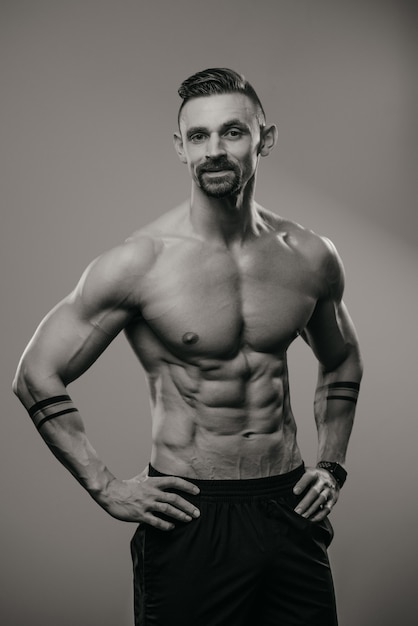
(316, 252)
(112, 278)
(322, 258)
(137, 255)
(132, 258)
(115, 276)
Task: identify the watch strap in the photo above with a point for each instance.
(335, 469)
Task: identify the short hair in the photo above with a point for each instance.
(218, 80)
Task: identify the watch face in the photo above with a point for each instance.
(336, 470)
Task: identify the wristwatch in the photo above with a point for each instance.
(335, 469)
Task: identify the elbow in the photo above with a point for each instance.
(35, 379)
(22, 382)
(355, 362)
(30, 381)
(16, 386)
(360, 368)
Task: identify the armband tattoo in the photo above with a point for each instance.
(50, 408)
(343, 390)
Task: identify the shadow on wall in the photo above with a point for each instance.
(374, 553)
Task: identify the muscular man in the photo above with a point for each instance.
(233, 529)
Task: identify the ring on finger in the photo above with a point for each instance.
(324, 504)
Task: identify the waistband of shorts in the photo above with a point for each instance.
(239, 489)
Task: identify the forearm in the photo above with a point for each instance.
(140, 499)
(61, 427)
(335, 406)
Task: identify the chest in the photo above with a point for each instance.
(210, 303)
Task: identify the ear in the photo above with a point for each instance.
(178, 145)
(268, 140)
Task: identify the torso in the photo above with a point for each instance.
(213, 333)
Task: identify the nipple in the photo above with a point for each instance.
(190, 338)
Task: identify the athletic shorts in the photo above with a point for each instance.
(248, 560)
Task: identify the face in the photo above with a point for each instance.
(219, 140)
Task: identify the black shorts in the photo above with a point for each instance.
(248, 560)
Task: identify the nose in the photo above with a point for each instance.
(214, 146)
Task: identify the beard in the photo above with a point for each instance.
(226, 184)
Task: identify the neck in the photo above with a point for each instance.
(227, 220)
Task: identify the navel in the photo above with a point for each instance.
(190, 338)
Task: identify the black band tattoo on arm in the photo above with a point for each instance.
(343, 390)
(45, 410)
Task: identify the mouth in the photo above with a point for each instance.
(214, 172)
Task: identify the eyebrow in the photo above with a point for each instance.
(235, 122)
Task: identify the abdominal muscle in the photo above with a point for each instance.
(224, 419)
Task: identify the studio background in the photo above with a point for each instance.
(89, 106)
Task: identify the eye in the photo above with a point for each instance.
(197, 137)
(234, 133)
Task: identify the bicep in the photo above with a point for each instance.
(74, 334)
(71, 338)
(330, 333)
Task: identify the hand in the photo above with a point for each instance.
(140, 498)
(322, 493)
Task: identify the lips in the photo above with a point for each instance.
(217, 166)
(213, 170)
(216, 172)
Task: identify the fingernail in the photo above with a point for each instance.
(298, 510)
(296, 490)
(196, 490)
(196, 513)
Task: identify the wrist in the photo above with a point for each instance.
(335, 469)
(99, 486)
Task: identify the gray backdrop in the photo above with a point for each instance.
(89, 105)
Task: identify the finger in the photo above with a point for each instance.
(304, 482)
(171, 511)
(327, 501)
(179, 502)
(316, 506)
(307, 501)
(157, 522)
(322, 513)
(174, 482)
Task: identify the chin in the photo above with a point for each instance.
(220, 188)
(220, 193)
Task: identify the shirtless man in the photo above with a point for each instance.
(233, 527)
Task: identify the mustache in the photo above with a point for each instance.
(216, 165)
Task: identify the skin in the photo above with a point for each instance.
(210, 296)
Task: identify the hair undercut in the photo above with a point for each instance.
(216, 81)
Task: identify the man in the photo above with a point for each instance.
(233, 528)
